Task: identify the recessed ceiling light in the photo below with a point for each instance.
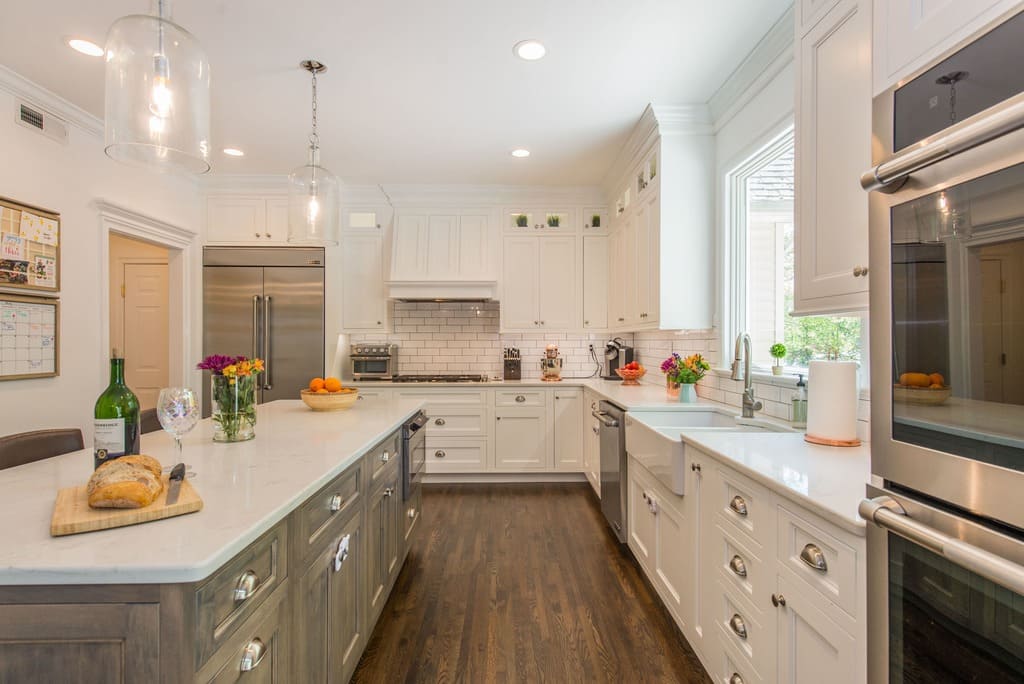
(233, 152)
(520, 153)
(86, 47)
(529, 50)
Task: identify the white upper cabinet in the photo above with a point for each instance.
(539, 283)
(908, 34)
(663, 233)
(596, 219)
(364, 300)
(595, 282)
(441, 247)
(833, 147)
(364, 219)
(243, 219)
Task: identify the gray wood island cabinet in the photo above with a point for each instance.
(295, 604)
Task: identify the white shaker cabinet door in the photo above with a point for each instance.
(833, 147)
(236, 219)
(520, 439)
(595, 282)
(811, 647)
(557, 293)
(568, 430)
(364, 299)
(519, 299)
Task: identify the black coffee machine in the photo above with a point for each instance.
(616, 355)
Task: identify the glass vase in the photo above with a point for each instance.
(234, 408)
(672, 388)
(688, 393)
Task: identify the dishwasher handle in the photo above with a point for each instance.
(605, 419)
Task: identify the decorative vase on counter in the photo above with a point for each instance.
(234, 408)
(688, 393)
(672, 388)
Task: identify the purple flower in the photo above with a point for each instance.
(216, 363)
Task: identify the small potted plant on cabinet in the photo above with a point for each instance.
(522, 221)
(554, 220)
(778, 352)
(595, 221)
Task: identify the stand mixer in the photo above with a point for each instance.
(551, 364)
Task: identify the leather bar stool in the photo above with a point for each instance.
(150, 423)
(27, 447)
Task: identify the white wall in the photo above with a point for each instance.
(67, 179)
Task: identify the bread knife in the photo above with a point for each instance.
(174, 483)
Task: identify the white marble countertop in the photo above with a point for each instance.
(829, 481)
(246, 488)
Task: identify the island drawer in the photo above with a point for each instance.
(450, 456)
(233, 593)
(315, 519)
(520, 398)
(384, 454)
(820, 558)
(257, 651)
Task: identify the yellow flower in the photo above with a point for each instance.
(257, 365)
(229, 371)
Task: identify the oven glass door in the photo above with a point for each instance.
(947, 624)
(957, 314)
(376, 366)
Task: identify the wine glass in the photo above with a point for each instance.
(178, 412)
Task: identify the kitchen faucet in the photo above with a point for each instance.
(749, 404)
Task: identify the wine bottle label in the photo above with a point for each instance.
(108, 439)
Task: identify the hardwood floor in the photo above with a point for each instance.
(522, 583)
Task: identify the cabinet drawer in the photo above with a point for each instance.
(231, 595)
(457, 421)
(257, 652)
(315, 518)
(733, 668)
(819, 558)
(436, 398)
(746, 505)
(445, 456)
(520, 398)
(739, 565)
(385, 454)
(743, 629)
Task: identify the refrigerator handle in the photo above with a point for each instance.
(255, 325)
(266, 343)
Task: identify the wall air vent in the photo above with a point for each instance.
(43, 122)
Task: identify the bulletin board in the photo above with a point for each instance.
(29, 247)
(29, 337)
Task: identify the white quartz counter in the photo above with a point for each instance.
(246, 487)
(827, 480)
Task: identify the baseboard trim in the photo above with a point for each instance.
(500, 478)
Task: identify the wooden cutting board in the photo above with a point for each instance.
(71, 512)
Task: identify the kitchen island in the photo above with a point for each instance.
(286, 568)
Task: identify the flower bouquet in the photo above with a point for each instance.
(683, 373)
(233, 393)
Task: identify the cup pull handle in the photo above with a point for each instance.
(813, 558)
(246, 586)
(252, 655)
(739, 505)
(737, 565)
(336, 502)
(738, 626)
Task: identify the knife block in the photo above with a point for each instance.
(513, 369)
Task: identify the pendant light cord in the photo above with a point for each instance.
(314, 138)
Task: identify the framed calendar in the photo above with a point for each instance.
(29, 337)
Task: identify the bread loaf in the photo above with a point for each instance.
(126, 482)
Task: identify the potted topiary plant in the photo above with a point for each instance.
(554, 220)
(522, 221)
(778, 352)
(595, 221)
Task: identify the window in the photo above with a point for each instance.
(759, 295)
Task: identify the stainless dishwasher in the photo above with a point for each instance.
(613, 466)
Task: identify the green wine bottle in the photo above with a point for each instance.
(116, 424)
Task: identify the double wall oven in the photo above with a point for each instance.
(946, 504)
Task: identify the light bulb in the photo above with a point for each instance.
(160, 98)
(312, 209)
(943, 203)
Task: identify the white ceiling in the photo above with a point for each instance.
(420, 91)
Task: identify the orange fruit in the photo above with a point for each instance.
(320, 391)
(935, 386)
(915, 379)
(332, 384)
(937, 379)
(316, 384)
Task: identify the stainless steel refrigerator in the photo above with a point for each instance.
(266, 302)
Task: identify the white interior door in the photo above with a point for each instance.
(146, 316)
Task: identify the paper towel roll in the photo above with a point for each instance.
(832, 403)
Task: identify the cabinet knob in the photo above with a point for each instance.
(536, 322)
(257, 236)
(859, 271)
(268, 235)
(342, 554)
(738, 567)
(246, 586)
(596, 430)
(621, 320)
(439, 454)
(739, 505)
(778, 600)
(378, 322)
(738, 625)
(695, 467)
(520, 398)
(336, 502)
(812, 557)
(586, 322)
(252, 655)
(389, 491)
(542, 322)
(439, 422)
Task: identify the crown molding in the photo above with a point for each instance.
(19, 86)
(143, 224)
(772, 54)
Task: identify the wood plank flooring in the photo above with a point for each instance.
(522, 583)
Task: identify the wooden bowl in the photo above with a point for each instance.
(336, 401)
(923, 396)
(630, 377)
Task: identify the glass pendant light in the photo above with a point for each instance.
(157, 100)
(314, 204)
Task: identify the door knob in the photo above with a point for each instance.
(778, 600)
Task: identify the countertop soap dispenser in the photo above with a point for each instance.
(800, 404)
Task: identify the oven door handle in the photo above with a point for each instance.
(890, 175)
(885, 512)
